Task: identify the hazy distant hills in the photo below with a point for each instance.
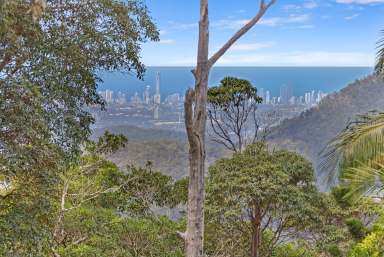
(168, 150)
(310, 132)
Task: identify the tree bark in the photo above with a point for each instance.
(256, 231)
(195, 123)
(256, 239)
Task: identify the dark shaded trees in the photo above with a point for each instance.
(232, 113)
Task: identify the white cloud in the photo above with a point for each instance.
(299, 58)
(252, 46)
(181, 26)
(229, 24)
(308, 26)
(310, 5)
(359, 1)
(352, 16)
(272, 22)
(278, 21)
(291, 7)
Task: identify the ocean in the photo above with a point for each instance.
(301, 79)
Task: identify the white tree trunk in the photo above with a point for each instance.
(195, 123)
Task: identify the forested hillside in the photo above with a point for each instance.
(166, 150)
(312, 130)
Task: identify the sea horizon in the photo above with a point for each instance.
(176, 79)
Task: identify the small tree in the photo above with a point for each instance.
(232, 113)
(260, 192)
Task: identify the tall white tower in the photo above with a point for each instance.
(157, 97)
(147, 99)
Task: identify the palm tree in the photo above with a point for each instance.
(380, 57)
(356, 155)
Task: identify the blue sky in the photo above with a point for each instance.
(293, 33)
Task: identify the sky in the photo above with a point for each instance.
(292, 33)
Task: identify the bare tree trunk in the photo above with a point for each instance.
(195, 123)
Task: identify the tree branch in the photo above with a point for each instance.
(262, 9)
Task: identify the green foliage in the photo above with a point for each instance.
(334, 250)
(94, 210)
(294, 250)
(358, 152)
(232, 113)
(108, 143)
(372, 245)
(356, 228)
(232, 91)
(50, 59)
(278, 184)
(49, 73)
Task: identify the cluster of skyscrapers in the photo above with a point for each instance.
(287, 98)
(152, 101)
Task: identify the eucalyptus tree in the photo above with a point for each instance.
(259, 192)
(195, 122)
(51, 57)
(232, 110)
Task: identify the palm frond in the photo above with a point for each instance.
(379, 68)
(364, 180)
(361, 142)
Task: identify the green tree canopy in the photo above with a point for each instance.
(50, 67)
(232, 111)
(260, 191)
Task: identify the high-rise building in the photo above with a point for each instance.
(147, 96)
(307, 98)
(121, 98)
(157, 97)
(313, 98)
(135, 99)
(173, 99)
(267, 97)
(109, 96)
(285, 94)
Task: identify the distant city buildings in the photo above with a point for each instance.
(157, 97)
(153, 102)
(286, 97)
(267, 97)
(286, 94)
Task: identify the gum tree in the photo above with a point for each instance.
(195, 122)
(261, 192)
(232, 113)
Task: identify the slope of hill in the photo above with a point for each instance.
(312, 130)
(167, 150)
